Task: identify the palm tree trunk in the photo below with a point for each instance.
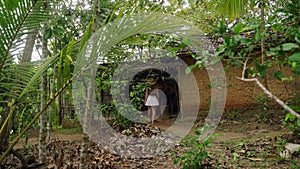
(51, 110)
(4, 135)
(89, 100)
(42, 134)
(60, 101)
(87, 119)
(30, 40)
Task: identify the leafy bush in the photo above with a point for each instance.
(195, 155)
(126, 114)
(137, 94)
(262, 105)
(293, 123)
(290, 120)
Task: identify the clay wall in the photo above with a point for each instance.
(240, 95)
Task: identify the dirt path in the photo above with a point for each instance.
(226, 130)
(34, 140)
(236, 130)
(238, 143)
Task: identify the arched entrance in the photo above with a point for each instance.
(165, 82)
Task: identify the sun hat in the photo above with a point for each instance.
(151, 80)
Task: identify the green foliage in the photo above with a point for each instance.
(294, 122)
(295, 57)
(243, 41)
(106, 105)
(235, 8)
(125, 115)
(137, 93)
(144, 23)
(19, 81)
(234, 114)
(280, 144)
(30, 15)
(195, 155)
(263, 107)
(122, 116)
(24, 117)
(290, 120)
(278, 74)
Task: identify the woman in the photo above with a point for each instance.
(152, 99)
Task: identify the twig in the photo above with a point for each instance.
(244, 68)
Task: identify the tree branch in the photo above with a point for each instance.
(269, 94)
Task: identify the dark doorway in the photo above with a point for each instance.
(165, 82)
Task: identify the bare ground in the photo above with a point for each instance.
(243, 142)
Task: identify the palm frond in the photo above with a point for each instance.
(14, 79)
(18, 17)
(142, 23)
(35, 78)
(120, 29)
(235, 8)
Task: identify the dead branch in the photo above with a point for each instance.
(269, 94)
(244, 67)
(266, 91)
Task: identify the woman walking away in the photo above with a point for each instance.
(151, 99)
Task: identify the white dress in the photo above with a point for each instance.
(152, 100)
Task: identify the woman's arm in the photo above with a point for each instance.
(146, 95)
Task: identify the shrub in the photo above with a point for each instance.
(195, 155)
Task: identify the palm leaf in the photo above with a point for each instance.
(18, 17)
(141, 23)
(235, 8)
(119, 30)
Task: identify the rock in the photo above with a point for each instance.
(285, 154)
(290, 148)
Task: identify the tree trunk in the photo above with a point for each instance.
(30, 40)
(89, 100)
(42, 135)
(262, 29)
(60, 102)
(271, 95)
(51, 110)
(4, 135)
(262, 41)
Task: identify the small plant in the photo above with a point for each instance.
(291, 121)
(195, 155)
(262, 104)
(233, 114)
(280, 146)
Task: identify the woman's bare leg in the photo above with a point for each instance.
(149, 114)
(153, 113)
